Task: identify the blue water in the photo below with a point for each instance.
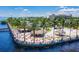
(3, 26)
(7, 45)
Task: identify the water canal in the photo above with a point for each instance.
(7, 45)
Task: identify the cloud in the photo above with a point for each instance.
(73, 11)
(19, 8)
(22, 9)
(67, 11)
(25, 9)
(62, 7)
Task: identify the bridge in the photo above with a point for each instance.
(4, 29)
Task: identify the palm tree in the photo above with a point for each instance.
(53, 23)
(62, 21)
(9, 20)
(60, 25)
(75, 26)
(34, 25)
(43, 21)
(23, 26)
(70, 24)
(43, 24)
(14, 22)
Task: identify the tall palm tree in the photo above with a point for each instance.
(43, 21)
(53, 22)
(60, 25)
(75, 25)
(23, 26)
(10, 20)
(62, 21)
(14, 22)
(45, 25)
(17, 25)
(76, 28)
(34, 25)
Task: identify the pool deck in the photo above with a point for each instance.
(71, 38)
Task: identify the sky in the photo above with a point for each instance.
(18, 11)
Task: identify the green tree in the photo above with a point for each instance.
(34, 25)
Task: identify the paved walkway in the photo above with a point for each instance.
(48, 38)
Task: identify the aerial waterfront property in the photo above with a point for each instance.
(39, 28)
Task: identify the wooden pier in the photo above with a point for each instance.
(4, 29)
